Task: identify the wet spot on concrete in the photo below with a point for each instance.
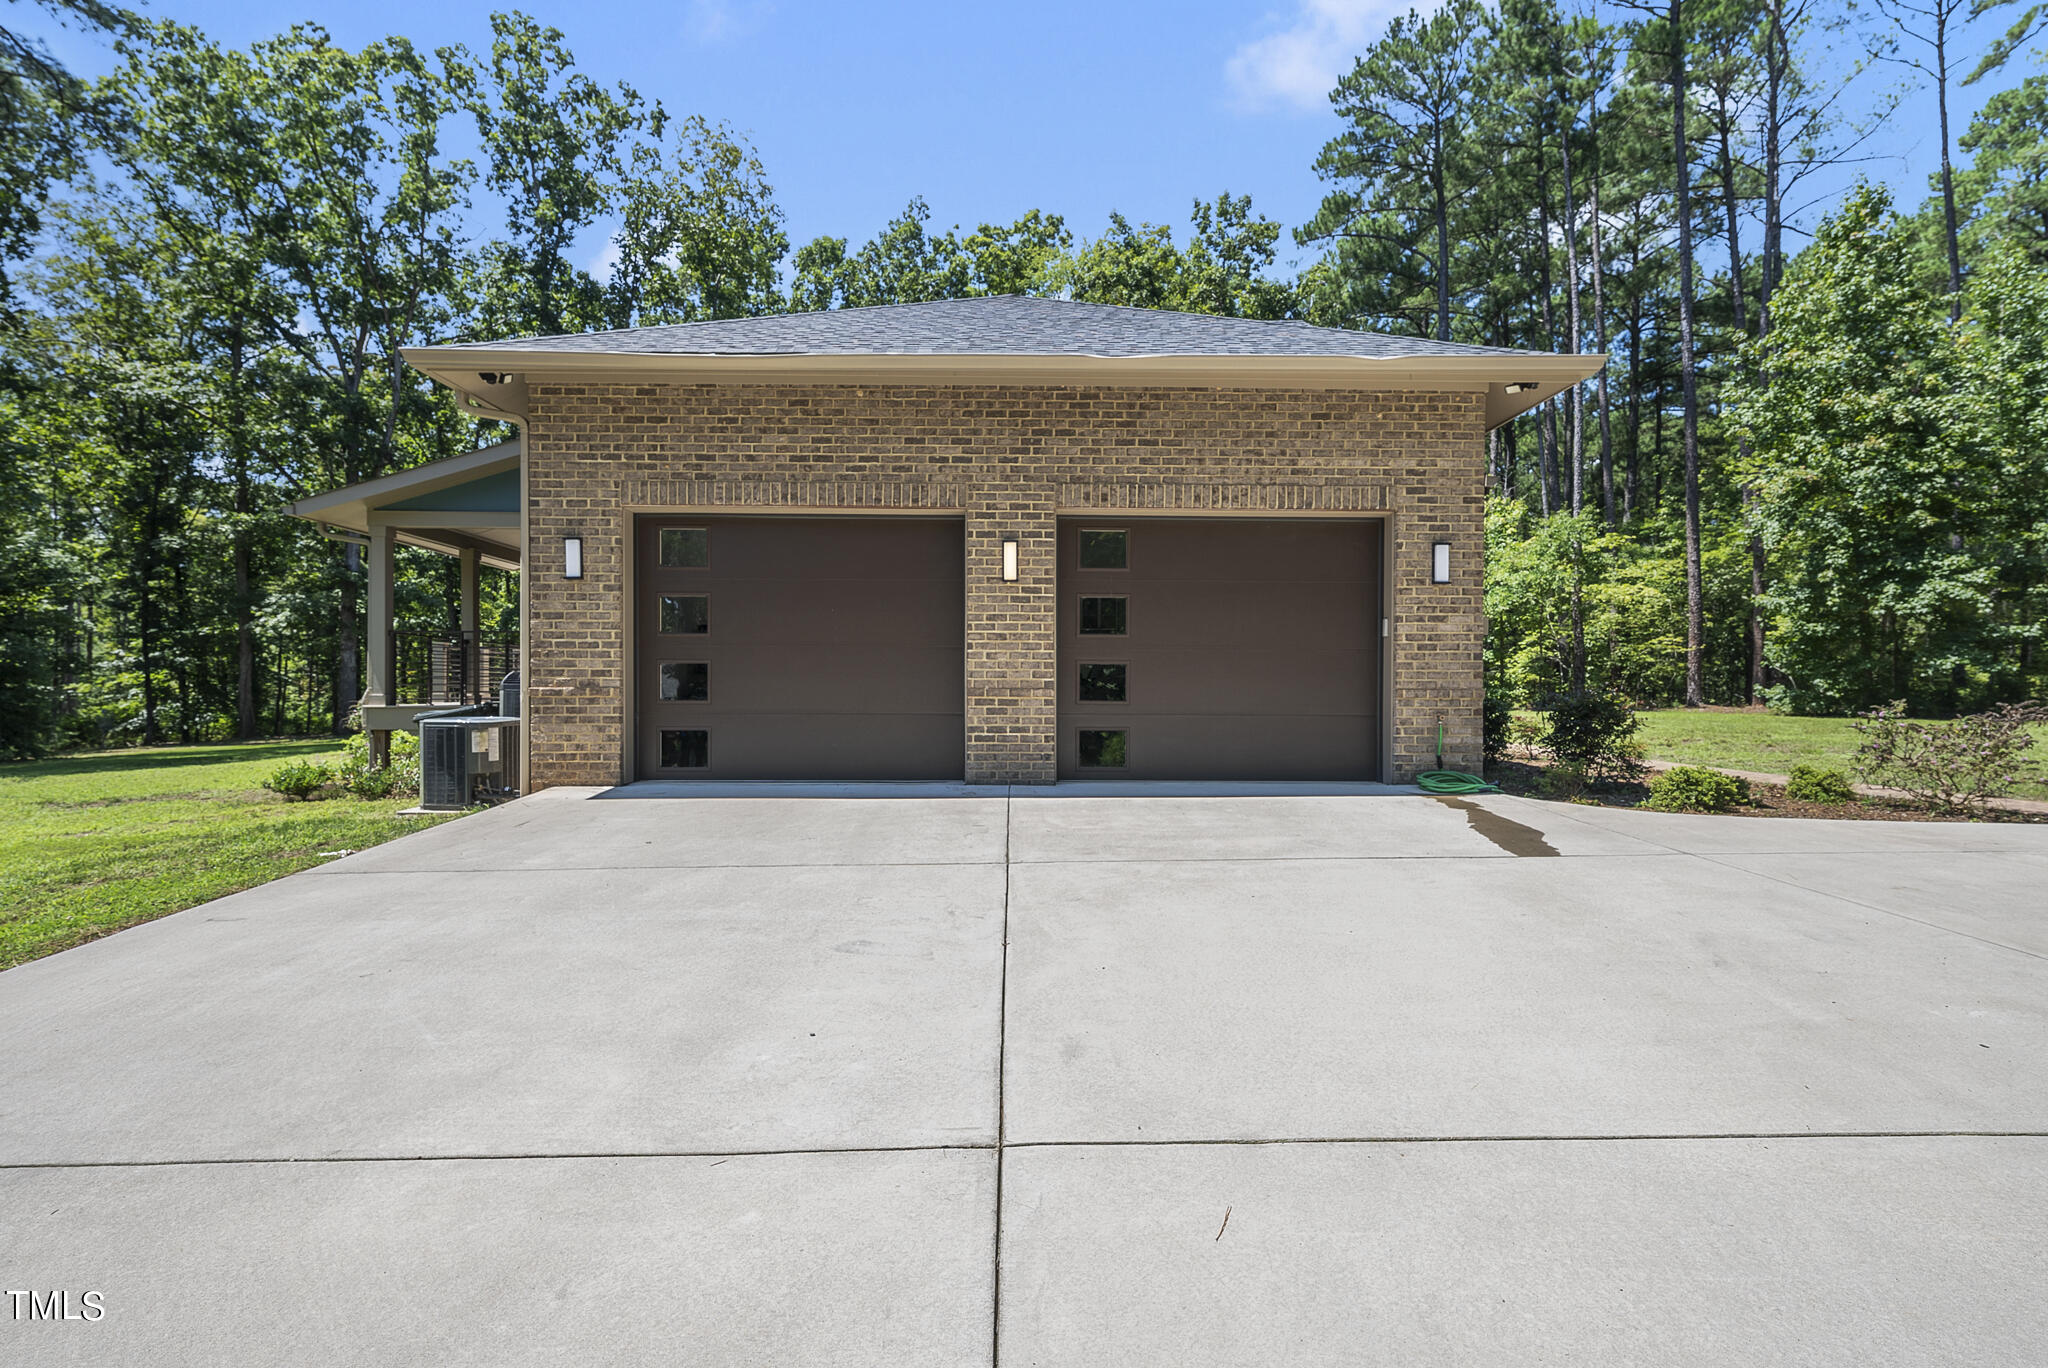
(1509, 835)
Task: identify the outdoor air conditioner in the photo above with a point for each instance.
(465, 759)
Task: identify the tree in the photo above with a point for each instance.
(1597, 56)
(2003, 367)
(1664, 47)
(135, 438)
(1874, 491)
(306, 185)
(1527, 81)
(1800, 130)
(702, 236)
(209, 198)
(2004, 194)
(552, 140)
(1221, 270)
(1932, 31)
(44, 113)
(1403, 162)
(903, 264)
(1226, 262)
(1138, 266)
(1025, 257)
(37, 569)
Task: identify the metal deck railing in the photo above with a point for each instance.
(449, 670)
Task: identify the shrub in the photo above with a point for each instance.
(1494, 734)
(1694, 788)
(1812, 784)
(298, 780)
(1527, 733)
(1596, 732)
(379, 781)
(1563, 779)
(1952, 767)
(365, 780)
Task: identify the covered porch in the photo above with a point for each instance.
(465, 507)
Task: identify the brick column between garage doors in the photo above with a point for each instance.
(1012, 636)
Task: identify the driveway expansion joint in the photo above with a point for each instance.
(995, 1318)
(994, 1148)
(1560, 1139)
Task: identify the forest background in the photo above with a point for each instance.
(1814, 472)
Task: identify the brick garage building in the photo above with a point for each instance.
(1005, 540)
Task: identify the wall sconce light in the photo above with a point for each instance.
(1440, 563)
(572, 558)
(1009, 559)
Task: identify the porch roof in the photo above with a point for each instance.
(458, 503)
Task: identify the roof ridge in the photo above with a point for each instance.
(990, 325)
(1017, 295)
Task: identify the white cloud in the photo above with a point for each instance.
(707, 21)
(714, 21)
(1299, 65)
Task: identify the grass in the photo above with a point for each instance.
(90, 844)
(1769, 743)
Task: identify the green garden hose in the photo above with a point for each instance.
(1441, 780)
(1452, 781)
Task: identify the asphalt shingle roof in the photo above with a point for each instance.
(1004, 325)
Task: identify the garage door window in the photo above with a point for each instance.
(1105, 549)
(687, 548)
(1104, 616)
(685, 614)
(685, 749)
(1102, 750)
(1101, 684)
(685, 681)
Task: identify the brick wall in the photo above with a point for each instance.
(1010, 458)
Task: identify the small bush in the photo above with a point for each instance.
(1526, 733)
(298, 780)
(379, 782)
(1812, 784)
(1494, 734)
(1595, 732)
(1694, 788)
(365, 780)
(1952, 767)
(1563, 779)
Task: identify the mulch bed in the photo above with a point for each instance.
(1523, 778)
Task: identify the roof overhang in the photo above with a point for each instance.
(495, 381)
(353, 508)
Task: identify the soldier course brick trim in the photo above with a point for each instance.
(1009, 460)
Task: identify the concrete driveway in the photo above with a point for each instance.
(1052, 1079)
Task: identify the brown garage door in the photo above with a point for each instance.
(1219, 649)
(801, 648)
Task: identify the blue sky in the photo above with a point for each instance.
(986, 109)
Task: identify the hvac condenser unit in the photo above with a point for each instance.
(463, 760)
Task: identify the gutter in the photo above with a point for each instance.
(495, 381)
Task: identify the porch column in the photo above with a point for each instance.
(378, 621)
(474, 686)
(470, 611)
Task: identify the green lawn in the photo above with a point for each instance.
(92, 843)
(1772, 744)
